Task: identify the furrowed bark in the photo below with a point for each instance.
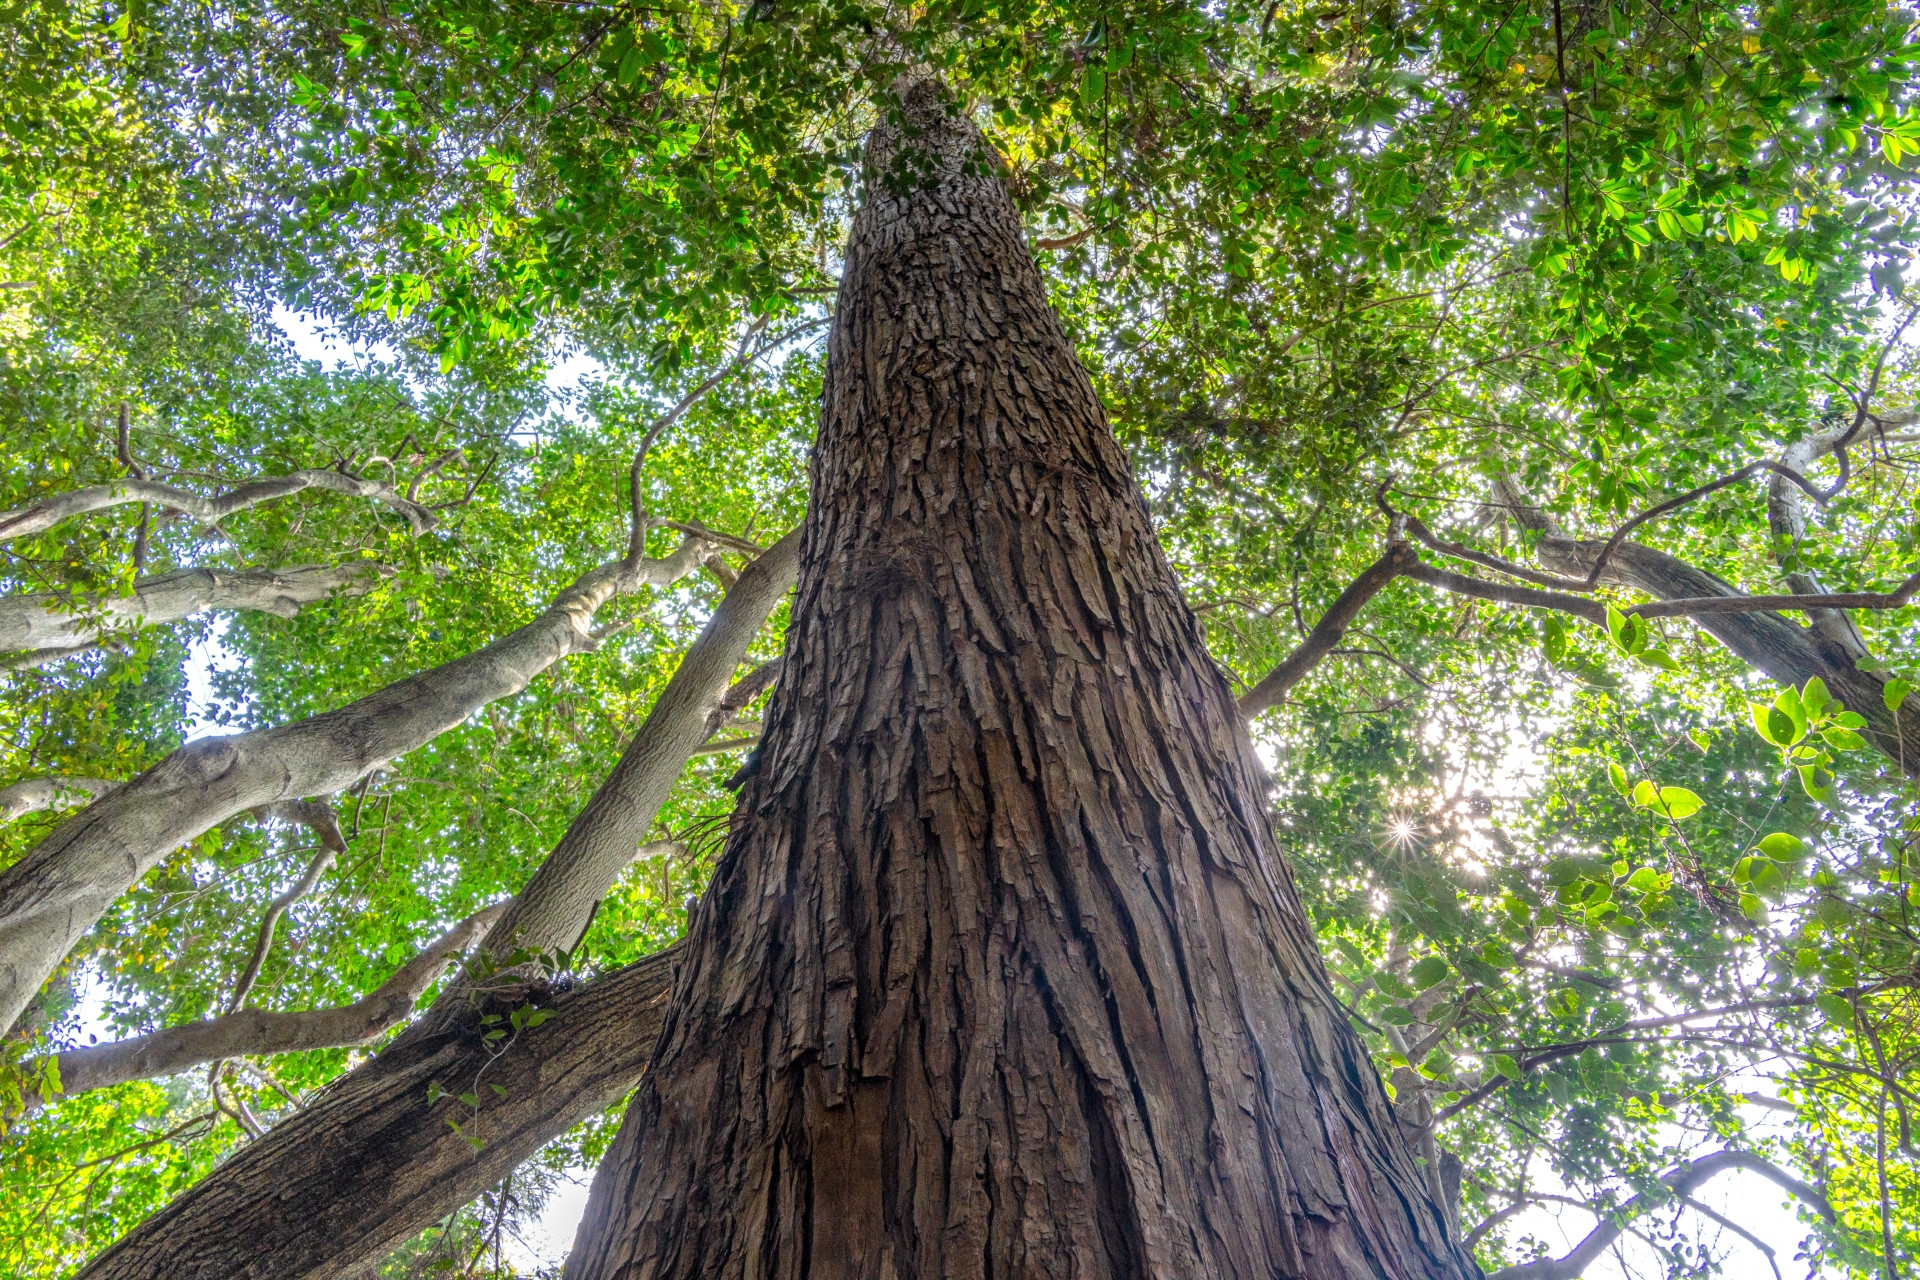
(33, 795)
(1000, 973)
(46, 626)
(48, 512)
(1783, 649)
(260, 1032)
(1680, 1183)
(266, 1202)
(369, 1163)
(52, 896)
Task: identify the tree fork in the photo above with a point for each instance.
(1000, 972)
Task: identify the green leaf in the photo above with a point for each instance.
(1396, 1015)
(1773, 725)
(1814, 699)
(1430, 972)
(630, 66)
(1505, 1064)
(1645, 794)
(471, 1099)
(1616, 623)
(434, 1092)
(1658, 658)
(1619, 778)
(1678, 802)
(1782, 847)
(1835, 1007)
(1768, 879)
(1842, 739)
(1817, 782)
(1393, 986)
(1788, 702)
(1894, 693)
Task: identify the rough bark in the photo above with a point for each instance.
(1000, 973)
(1783, 649)
(32, 795)
(50, 511)
(52, 896)
(48, 626)
(370, 1163)
(259, 1032)
(266, 1202)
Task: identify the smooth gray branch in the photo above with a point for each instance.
(52, 896)
(51, 510)
(55, 624)
(32, 795)
(261, 1032)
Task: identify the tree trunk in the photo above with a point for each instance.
(1000, 973)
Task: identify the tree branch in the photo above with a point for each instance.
(262, 1032)
(370, 1163)
(263, 940)
(1328, 632)
(366, 1165)
(1677, 1183)
(35, 794)
(52, 896)
(50, 511)
(56, 624)
(553, 909)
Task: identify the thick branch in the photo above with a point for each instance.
(50, 624)
(1327, 633)
(370, 1163)
(1677, 1183)
(50, 511)
(260, 1032)
(553, 909)
(36, 794)
(1500, 593)
(1782, 649)
(51, 897)
(1787, 523)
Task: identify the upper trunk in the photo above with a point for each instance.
(1000, 973)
